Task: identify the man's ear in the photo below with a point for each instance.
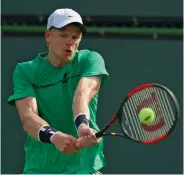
(47, 36)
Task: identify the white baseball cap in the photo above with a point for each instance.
(62, 17)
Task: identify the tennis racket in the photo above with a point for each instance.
(157, 97)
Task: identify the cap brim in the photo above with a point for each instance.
(82, 27)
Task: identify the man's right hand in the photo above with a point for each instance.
(65, 143)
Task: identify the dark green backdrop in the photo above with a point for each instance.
(96, 7)
(130, 63)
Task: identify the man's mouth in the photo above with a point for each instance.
(68, 51)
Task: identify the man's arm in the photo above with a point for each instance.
(85, 91)
(28, 112)
(36, 126)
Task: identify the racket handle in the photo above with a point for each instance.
(78, 144)
(99, 134)
(80, 140)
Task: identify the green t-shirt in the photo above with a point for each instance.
(54, 89)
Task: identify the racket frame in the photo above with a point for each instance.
(118, 115)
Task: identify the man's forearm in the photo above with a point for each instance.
(80, 105)
(85, 91)
(32, 123)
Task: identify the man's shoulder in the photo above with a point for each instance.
(88, 54)
(29, 65)
(27, 68)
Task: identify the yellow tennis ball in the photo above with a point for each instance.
(146, 116)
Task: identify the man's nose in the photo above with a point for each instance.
(70, 42)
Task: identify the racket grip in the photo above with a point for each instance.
(99, 134)
(80, 140)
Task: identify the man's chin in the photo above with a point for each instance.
(68, 56)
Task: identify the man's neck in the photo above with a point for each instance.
(56, 61)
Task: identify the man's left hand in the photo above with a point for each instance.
(87, 136)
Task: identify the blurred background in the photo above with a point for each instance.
(140, 41)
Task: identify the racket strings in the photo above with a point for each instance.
(159, 109)
(130, 127)
(142, 96)
(155, 106)
(169, 108)
(136, 100)
(136, 131)
(168, 114)
(160, 103)
(135, 123)
(139, 98)
(162, 110)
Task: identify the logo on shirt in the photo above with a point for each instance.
(67, 76)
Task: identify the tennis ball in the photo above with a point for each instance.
(146, 116)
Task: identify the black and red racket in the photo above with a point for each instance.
(154, 96)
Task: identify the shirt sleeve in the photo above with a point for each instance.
(22, 86)
(93, 65)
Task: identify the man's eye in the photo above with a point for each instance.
(76, 37)
(63, 36)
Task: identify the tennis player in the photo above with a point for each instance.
(56, 96)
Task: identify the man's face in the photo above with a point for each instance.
(64, 42)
